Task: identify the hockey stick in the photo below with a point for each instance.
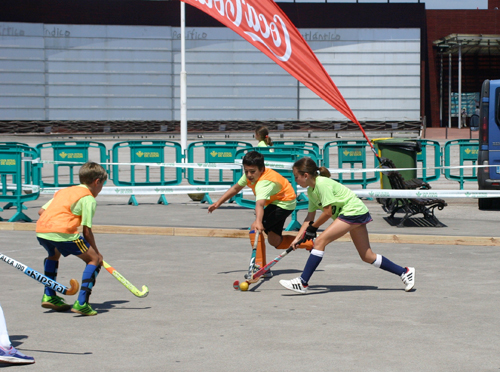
(125, 282)
(46, 281)
(254, 253)
(256, 276)
(251, 265)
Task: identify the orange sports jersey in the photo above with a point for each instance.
(286, 193)
(58, 217)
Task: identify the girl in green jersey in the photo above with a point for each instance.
(349, 214)
(262, 136)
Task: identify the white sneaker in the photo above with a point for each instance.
(408, 278)
(13, 356)
(294, 285)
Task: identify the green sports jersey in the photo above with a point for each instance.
(264, 144)
(264, 189)
(84, 207)
(329, 192)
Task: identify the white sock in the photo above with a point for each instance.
(4, 335)
(317, 252)
(378, 261)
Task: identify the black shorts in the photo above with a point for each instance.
(356, 220)
(274, 219)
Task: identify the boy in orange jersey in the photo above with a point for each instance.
(56, 231)
(275, 200)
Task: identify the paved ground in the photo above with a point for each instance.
(356, 318)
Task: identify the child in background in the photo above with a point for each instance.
(349, 214)
(262, 136)
(57, 232)
(275, 200)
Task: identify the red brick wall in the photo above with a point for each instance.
(441, 23)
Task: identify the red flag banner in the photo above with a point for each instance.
(263, 24)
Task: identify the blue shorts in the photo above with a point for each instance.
(75, 247)
(356, 220)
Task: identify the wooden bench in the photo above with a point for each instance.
(411, 206)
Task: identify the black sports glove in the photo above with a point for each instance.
(310, 233)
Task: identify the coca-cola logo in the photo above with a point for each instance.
(271, 33)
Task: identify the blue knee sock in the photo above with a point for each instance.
(387, 265)
(88, 280)
(50, 271)
(312, 263)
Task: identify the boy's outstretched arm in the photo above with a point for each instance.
(235, 189)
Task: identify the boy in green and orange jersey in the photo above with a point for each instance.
(57, 232)
(275, 200)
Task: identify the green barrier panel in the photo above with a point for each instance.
(69, 157)
(138, 152)
(278, 154)
(14, 174)
(301, 144)
(468, 152)
(212, 152)
(429, 146)
(351, 153)
(27, 166)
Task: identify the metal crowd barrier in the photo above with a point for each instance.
(137, 152)
(17, 173)
(468, 150)
(353, 154)
(68, 157)
(212, 152)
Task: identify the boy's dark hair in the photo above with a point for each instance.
(90, 171)
(254, 158)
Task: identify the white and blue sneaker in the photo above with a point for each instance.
(295, 285)
(13, 356)
(408, 278)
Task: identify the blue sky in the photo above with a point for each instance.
(429, 4)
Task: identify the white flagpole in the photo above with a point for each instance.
(183, 80)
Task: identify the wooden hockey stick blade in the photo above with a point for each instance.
(254, 280)
(74, 286)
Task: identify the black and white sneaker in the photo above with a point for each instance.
(294, 285)
(408, 278)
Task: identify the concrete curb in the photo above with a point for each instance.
(235, 233)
